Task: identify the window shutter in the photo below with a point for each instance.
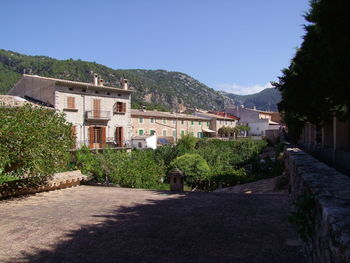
(74, 134)
(123, 107)
(121, 136)
(103, 137)
(70, 102)
(91, 137)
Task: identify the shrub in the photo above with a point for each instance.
(186, 144)
(166, 154)
(33, 141)
(194, 167)
(136, 169)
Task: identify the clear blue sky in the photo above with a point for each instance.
(236, 45)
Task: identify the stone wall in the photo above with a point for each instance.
(330, 240)
(36, 185)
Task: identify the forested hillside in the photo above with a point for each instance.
(160, 89)
(266, 99)
(170, 90)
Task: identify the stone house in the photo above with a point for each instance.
(100, 115)
(258, 121)
(167, 124)
(218, 120)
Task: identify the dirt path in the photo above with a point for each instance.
(97, 224)
(265, 186)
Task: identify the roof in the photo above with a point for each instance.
(215, 116)
(208, 130)
(224, 114)
(76, 83)
(140, 137)
(164, 114)
(15, 101)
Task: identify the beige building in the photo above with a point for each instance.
(100, 115)
(167, 124)
(217, 120)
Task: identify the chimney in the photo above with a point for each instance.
(95, 80)
(254, 107)
(101, 81)
(143, 108)
(124, 83)
(242, 106)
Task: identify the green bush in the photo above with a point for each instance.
(194, 167)
(136, 169)
(33, 141)
(166, 154)
(186, 144)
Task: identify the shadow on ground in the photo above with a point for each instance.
(191, 227)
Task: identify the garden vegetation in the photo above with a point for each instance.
(205, 163)
(33, 142)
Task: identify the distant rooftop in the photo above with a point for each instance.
(168, 115)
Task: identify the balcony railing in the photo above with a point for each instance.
(110, 143)
(98, 115)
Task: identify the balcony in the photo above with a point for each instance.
(109, 143)
(98, 115)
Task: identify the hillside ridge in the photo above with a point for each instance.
(157, 89)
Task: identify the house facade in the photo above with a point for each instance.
(218, 120)
(100, 115)
(258, 121)
(167, 124)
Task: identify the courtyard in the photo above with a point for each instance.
(107, 224)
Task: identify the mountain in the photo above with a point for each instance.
(165, 89)
(157, 89)
(266, 99)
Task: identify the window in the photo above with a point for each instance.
(182, 122)
(174, 133)
(70, 102)
(164, 121)
(97, 137)
(152, 120)
(140, 119)
(182, 133)
(192, 122)
(199, 134)
(226, 122)
(140, 144)
(199, 123)
(208, 123)
(164, 132)
(174, 121)
(140, 132)
(97, 134)
(119, 107)
(152, 132)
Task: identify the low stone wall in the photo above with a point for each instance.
(36, 185)
(330, 190)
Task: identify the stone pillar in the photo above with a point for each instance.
(176, 180)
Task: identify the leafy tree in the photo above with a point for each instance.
(194, 167)
(315, 85)
(186, 144)
(33, 141)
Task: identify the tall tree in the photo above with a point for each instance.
(316, 84)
